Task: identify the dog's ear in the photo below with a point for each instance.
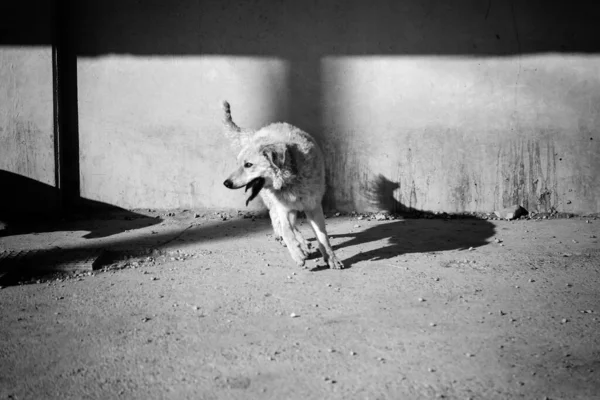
(276, 153)
(280, 156)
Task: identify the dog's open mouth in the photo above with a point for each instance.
(256, 184)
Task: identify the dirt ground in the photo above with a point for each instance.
(212, 307)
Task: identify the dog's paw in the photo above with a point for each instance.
(334, 263)
(298, 254)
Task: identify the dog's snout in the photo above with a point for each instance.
(228, 184)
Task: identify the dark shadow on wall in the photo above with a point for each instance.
(29, 206)
(417, 231)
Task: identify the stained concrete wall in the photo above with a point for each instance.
(440, 106)
(27, 169)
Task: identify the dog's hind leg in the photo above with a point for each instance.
(317, 222)
(296, 249)
(293, 217)
(276, 223)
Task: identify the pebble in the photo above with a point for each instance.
(469, 355)
(294, 315)
(331, 350)
(421, 299)
(564, 321)
(437, 279)
(432, 324)
(352, 353)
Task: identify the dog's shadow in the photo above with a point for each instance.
(414, 231)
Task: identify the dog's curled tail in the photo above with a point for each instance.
(227, 120)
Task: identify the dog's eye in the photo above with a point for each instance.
(247, 165)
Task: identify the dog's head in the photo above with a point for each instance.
(263, 165)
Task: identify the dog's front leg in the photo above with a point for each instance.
(317, 222)
(295, 248)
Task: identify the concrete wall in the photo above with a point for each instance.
(449, 106)
(27, 173)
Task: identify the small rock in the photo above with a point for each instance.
(471, 249)
(331, 350)
(431, 369)
(380, 217)
(294, 315)
(352, 353)
(360, 218)
(421, 299)
(357, 226)
(512, 212)
(564, 321)
(469, 355)
(337, 214)
(531, 280)
(432, 324)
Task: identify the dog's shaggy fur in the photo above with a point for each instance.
(284, 165)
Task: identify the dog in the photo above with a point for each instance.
(285, 166)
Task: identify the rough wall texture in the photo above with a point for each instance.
(453, 106)
(27, 173)
(26, 130)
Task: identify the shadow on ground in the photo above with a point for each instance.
(30, 206)
(415, 231)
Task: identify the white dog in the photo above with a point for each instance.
(285, 166)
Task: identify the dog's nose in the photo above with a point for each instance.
(228, 184)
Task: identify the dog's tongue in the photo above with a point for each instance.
(256, 185)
